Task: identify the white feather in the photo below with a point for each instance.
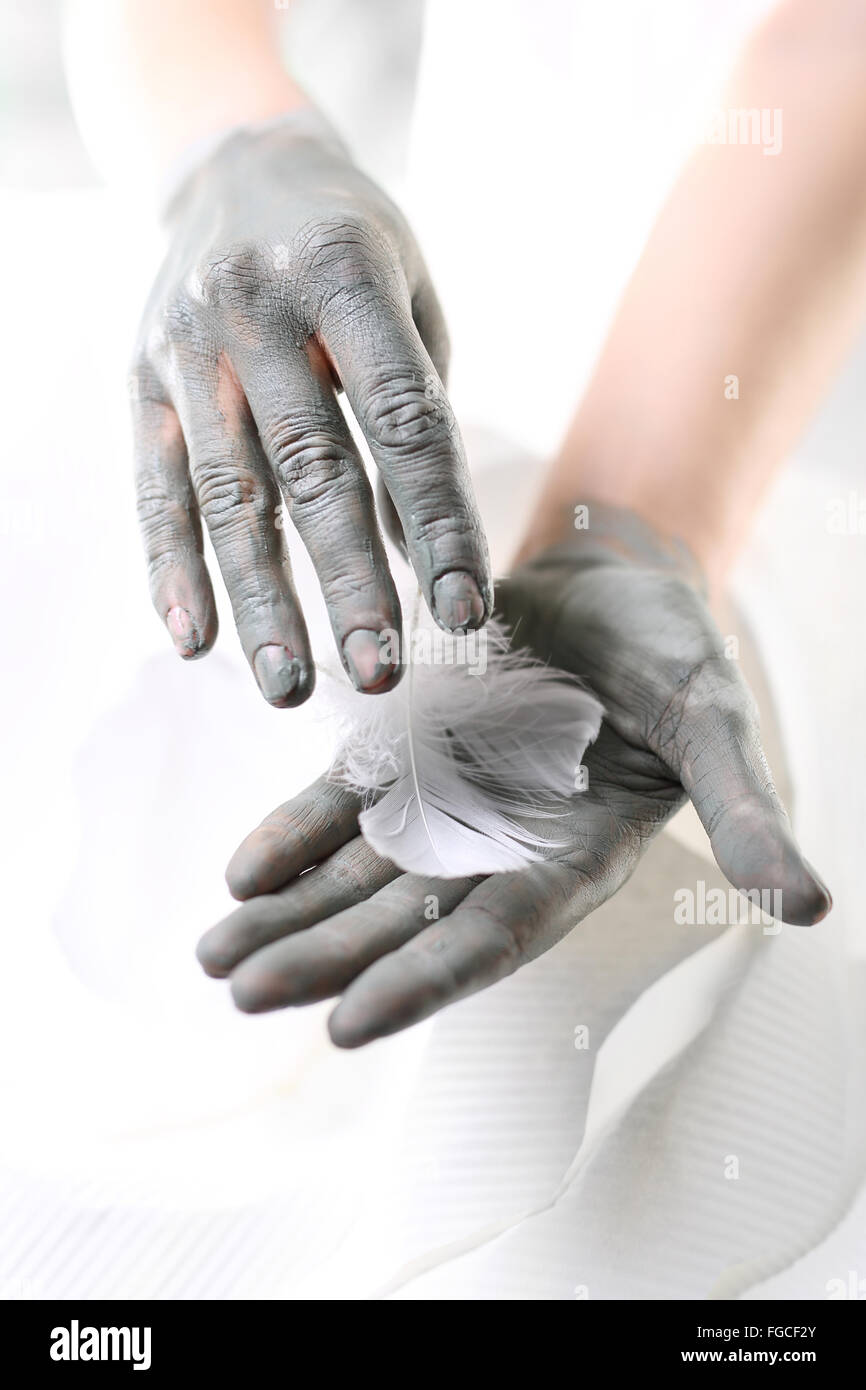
(454, 759)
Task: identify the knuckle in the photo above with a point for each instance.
(346, 249)
(257, 920)
(344, 269)
(150, 508)
(309, 461)
(227, 493)
(316, 477)
(355, 873)
(510, 948)
(407, 414)
(168, 326)
(346, 587)
(252, 611)
(286, 836)
(710, 696)
(175, 325)
(445, 529)
(154, 505)
(142, 384)
(162, 564)
(348, 881)
(231, 278)
(332, 940)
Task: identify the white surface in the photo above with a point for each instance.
(154, 1142)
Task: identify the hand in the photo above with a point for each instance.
(290, 275)
(616, 607)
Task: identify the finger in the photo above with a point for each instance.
(391, 523)
(351, 874)
(168, 515)
(431, 325)
(400, 403)
(715, 747)
(320, 962)
(241, 506)
(504, 922)
(294, 837)
(308, 443)
(430, 322)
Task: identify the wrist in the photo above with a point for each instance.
(149, 81)
(304, 122)
(595, 531)
(677, 508)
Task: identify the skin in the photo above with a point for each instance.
(753, 276)
(626, 610)
(290, 273)
(289, 276)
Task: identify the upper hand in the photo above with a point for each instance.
(290, 274)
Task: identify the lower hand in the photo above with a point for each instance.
(620, 609)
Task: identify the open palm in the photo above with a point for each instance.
(679, 721)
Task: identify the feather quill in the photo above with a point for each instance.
(457, 759)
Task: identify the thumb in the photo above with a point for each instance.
(722, 766)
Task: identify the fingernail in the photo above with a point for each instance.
(822, 908)
(184, 632)
(456, 601)
(366, 660)
(277, 673)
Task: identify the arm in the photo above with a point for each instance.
(288, 276)
(149, 80)
(756, 269)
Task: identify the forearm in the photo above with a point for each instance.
(750, 289)
(150, 79)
